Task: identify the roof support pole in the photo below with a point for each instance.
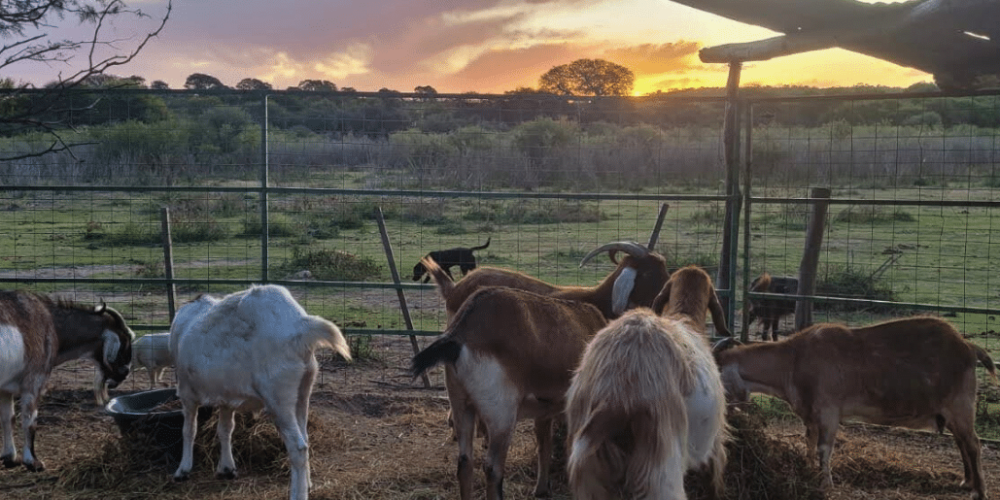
(726, 279)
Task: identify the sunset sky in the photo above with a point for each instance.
(486, 46)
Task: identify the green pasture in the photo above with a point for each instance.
(925, 255)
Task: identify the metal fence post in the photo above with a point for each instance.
(264, 229)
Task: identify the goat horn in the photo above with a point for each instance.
(630, 247)
(119, 320)
(726, 343)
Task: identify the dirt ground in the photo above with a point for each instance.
(376, 435)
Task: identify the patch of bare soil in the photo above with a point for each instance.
(375, 434)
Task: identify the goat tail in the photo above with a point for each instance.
(987, 361)
(762, 283)
(444, 282)
(323, 332)
(484, 245)
(443, 350)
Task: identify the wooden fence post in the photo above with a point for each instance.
(168, 262)
(810, 255)
(399, 289)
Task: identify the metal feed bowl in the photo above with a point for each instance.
(160, 430)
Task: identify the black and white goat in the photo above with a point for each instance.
(38, 333)
(249, 350)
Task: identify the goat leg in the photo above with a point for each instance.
(543, 436)
(9, 454)
(224, 431)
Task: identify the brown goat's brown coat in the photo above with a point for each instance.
(511, 354)
(696, 299)
(916, 372)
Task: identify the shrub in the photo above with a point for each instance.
(331, 265)
(852, 281)
(871, 214)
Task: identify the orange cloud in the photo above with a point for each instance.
(651, 58)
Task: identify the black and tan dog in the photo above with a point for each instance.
(459, 256)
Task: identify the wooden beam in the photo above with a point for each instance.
(770, 48)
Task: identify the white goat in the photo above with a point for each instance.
(152, 352)
(511, 354)
(37, 334)
(646, 403)
(251, 349)
(915, 372)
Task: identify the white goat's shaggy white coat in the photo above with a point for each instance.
(152, 352)
(647, 403)
(249, 350)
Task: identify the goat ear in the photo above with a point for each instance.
(111, 346)
(718, 316)
(101, 308)
(622, 289)
(662, 299)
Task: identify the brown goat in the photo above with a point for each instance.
(687, 296)
(770, 311)
(916, 372)
(36, 335)
(510, 355)
(640, 275)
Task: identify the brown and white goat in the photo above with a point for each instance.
(770, 311)
(636, 281)
(510, 354)
(687, 296)
(645, 405)
(37, 334)
(916, 372)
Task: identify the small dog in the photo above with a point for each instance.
(770, 311)
(460, 256)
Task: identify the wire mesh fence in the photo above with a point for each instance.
(283, 187)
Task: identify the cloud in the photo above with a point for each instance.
(512, 68)
(653, 58)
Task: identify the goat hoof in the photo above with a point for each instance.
(10, 462)
(542, 491)
(36, 466)
(226, 474)
(179, 478)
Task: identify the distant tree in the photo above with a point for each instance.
(201, 81)
(317, 85)
(426, 90)
(30, 33)
(595, 77)
(253, 84)
(349, 90)
(159, 85)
